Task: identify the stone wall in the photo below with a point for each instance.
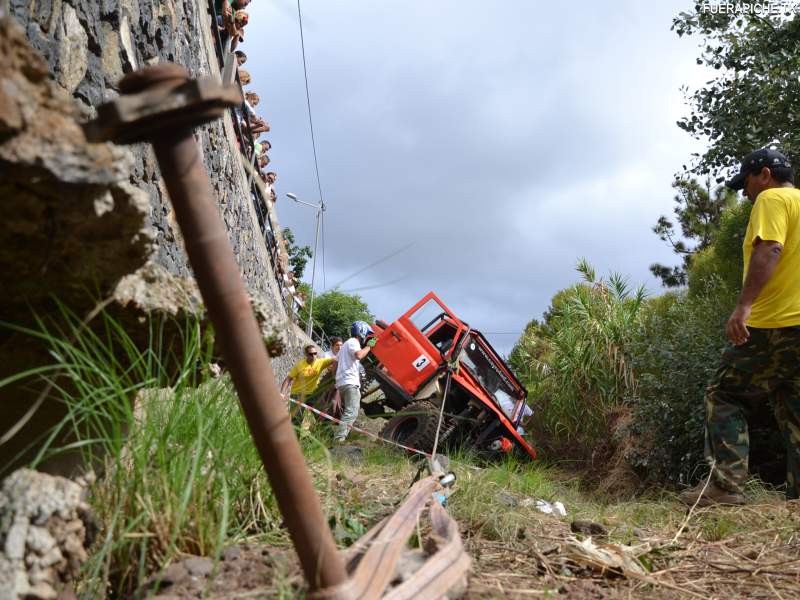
(89, 45)
(86, 221)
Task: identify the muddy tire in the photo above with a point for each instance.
(414, 426)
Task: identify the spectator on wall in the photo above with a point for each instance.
(252, 99)
(226, 19)
(269, 181)
(236, 30)
(241, 58)
(257, 124)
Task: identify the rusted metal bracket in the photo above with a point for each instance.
(164, 99)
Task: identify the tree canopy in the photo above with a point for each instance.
(698, 210)
(753, 101)
(335, 311)
(298, 255)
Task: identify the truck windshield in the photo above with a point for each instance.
(483, 366)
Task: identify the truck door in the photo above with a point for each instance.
(404, 348)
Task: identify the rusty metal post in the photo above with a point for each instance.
(162, 104)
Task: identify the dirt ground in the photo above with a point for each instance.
(243, 571)
(721, 552)
(764, 564)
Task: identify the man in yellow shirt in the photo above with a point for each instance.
(763, 357)
(304, 378)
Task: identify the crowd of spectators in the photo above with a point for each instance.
(231, 20)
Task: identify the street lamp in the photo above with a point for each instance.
(320, 209)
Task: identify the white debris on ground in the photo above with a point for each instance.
(43, 534)
(546, 507)
(608, 558)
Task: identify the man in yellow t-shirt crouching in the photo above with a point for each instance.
(763, 356)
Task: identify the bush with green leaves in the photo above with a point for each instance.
(335, 311)
(577, 365)
(721, 263)
(751, 100)
(674, 354)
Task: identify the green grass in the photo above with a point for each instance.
(188, 481)
(177, 469)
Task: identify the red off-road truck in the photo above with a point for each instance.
(408, 371)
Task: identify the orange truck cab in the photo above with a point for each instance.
(429, 355)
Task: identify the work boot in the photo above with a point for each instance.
(714, 494)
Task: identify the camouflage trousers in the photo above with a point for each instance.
(766, 367)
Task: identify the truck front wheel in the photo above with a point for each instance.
(414, 426)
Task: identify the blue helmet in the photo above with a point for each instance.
(360, 329)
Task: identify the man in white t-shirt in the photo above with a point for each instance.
(348, 377)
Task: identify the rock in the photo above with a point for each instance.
(10, 113)
(175, 573)
(40, 540)
(588, 528)
(15, 539)
(79, 217)
(231, 553)
(152, 288)
(41, 521)
(112, 64)
(67, 594)
(41, 591)
(50, 558)
(127, 44)
(199, 566)
(73, 222)
(73, 59)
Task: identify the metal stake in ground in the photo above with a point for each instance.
(161, 104)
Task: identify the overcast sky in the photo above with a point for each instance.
(498, 142)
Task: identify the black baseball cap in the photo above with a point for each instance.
(754, 162)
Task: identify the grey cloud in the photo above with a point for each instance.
(506, 140)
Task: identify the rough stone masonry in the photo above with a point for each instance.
(87, 221)
(88, 46)
(45, 528)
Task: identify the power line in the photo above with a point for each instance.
(502, 332)
(311, 127)
(375, 285)
(372, 264)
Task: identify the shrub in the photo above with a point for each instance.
(579, 367)
(720, 265)
(675, 353)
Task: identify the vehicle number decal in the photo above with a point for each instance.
(421, 362)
